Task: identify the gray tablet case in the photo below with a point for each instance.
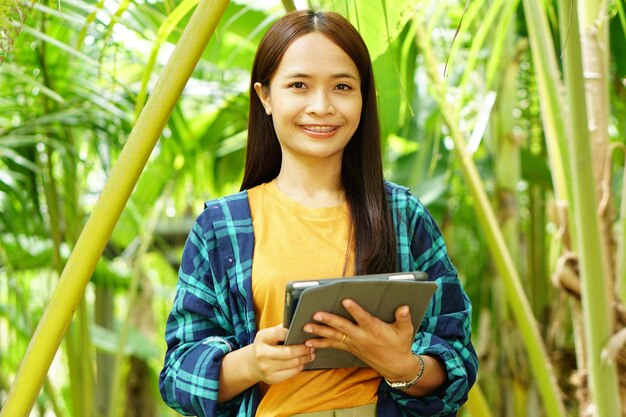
(379, 294)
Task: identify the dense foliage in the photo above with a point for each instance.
(480, 104)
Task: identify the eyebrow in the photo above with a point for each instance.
(307, 76)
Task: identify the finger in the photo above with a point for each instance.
(342, 325)
(284, 353)
(322, 331)
(320, 343)
(270, 367)
(296, 362)
(358, 313)
(403, 319)
(289, 371)
(327, 337)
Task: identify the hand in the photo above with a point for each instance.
(275, 363)
(386, 347)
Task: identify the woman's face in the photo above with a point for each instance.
(314, 98)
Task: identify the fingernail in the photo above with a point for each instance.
(317, 317)
(308, 329)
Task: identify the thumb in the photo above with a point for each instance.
(273, 335)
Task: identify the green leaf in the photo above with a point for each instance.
(618, 45)
(137, 344)
(27, 252)
(378, 22)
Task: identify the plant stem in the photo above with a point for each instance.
(476, 404)
(516, 296)
(597, 309)
(107, 210)
(621, 245)
(550, 86)
(289, 5)
(147, 239)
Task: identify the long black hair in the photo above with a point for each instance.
(373, 232)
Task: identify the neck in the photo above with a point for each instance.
(312, 184)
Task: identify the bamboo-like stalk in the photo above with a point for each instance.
(595, 50)
(621, 245)
(507, 162)
(289, 5)
(107, 210)
(594, 42)
(52, 397)
(597, 309)
(622, 14)
(76, 376)
(485, 30)
(550, 86)
(515, 295)
(86, 358)
(147, 237)
(621, 277)
(507, 172)
(476, 404)
(537, 258)
(167, 27)
(103, 316)
(554, 115)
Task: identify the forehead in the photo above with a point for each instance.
(316, 54)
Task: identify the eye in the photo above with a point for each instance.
(343, 87)
(298, 85)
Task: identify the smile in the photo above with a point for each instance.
(319, 128)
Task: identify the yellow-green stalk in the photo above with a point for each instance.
(107, 210)
(540, 363)
(595, 279)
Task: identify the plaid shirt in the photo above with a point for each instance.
(213, 312)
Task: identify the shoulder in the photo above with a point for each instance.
(400, 198)
(233, 204)
(233, 207)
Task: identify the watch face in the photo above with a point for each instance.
(409, 384)
(398, 384)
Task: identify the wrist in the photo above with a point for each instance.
(236, 374)
(409, 379)
(250, 361)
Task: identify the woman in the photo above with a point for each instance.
(313, 204)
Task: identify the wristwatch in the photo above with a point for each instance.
(409, 384)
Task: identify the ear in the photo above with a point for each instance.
(264, 95)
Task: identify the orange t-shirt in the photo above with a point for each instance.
(293, 242)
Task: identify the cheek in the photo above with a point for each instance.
(283, 109)
(355, 112)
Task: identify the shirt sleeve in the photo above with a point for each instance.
(446, 329)
(198, 331)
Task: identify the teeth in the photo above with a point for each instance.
(320, 129)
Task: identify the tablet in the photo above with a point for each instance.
(378, 294)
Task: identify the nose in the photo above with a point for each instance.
(320, 103)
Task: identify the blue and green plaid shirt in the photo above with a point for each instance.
(213, 312)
